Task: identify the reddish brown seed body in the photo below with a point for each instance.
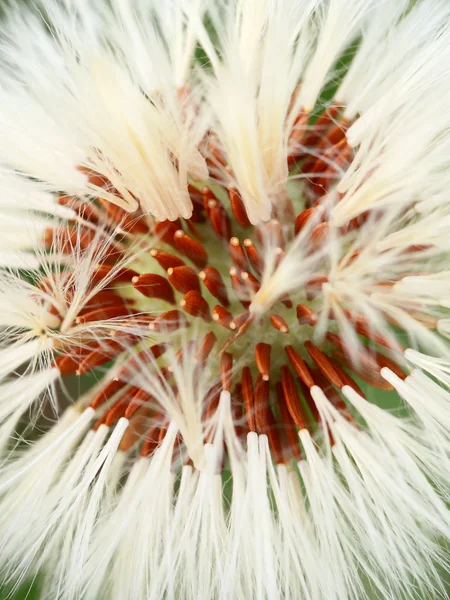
(247, 394)
(195, 305)
(107, 392)
(136, 430)
(206, 346)
(214, 284)
(221, 316)
(191, 248)
(309, 215)
(226, 366)
(239, 287)
(105, 313)
(289, 425)
(219, 219)
(112, 274)
(251, 282)
(325, 365)
(299, 365)
(184, 279)
(165, 230)
(107, 351)
(237, 253)
(278, 323)
(155, 286)
(139, 399)
(166, 260)
(254, 256)
(238, 208)
(168, 322)
(292, 398)
(262, 359)
(305, 315)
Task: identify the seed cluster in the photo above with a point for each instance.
(206, 270)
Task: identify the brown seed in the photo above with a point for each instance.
(323, 161)
(346, 378)
(119, 217)
(366, 368)
(240, 319)
(154, 286)
(262, 358)
(183, 279)
(296, 136)
(140, 398)
(207, 196)
(368, 364)
(306, 393)
(136, 429)
(219, 219)
(340, 161)
(206, 346)
(194, 304)
(191, 248)
(247, 394)
(210, 403)
(221, 316)
(289, 425)
(106, 351)
(113, 274)
(106, 393)
(305, 217)
(286, 301)
(237, 404)
(323, 123)
(119, 407)
(261, 404)
(272, 430)
(363, 327)
(299, 365)
(238, 208)
(214, 284)
(326, 366)
(254, 256)
(384, 361)
(152, 440)
(105, 313)
(102, 299)
(165, 230)
(237, 253)
(170, 321)
(279, 323)
(332, 395)
(319, 234)
(68, 364)
(305, 315)
(250, 280)
(226, 370)
(239, 287)
(241, 331)
(292, 398)
(166, 260)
